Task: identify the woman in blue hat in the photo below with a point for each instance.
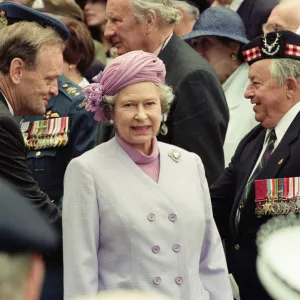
(218, 36)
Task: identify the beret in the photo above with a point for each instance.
(277, 44)
(22, 227)
(13, 12)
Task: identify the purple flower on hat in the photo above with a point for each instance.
(93, 100)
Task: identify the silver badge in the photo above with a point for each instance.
(273, 48)
(175, 155)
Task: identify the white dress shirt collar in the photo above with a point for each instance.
(285, 123)
(163, 45)
(235, 5)
(8, 104)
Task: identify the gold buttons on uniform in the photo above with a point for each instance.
(81, 105)
(65, 85)
(237, 247)
(280, 162)
(241, 206)
(38, 153)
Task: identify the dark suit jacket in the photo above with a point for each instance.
(199, 115)
(226, 193)
(254, 14)
(13, 165)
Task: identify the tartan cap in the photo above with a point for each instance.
(277, 44)
(11, 13)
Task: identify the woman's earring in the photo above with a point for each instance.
(164, 128)
(233, 56)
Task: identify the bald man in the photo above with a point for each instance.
(284, 16)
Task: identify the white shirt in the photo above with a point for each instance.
(235, 5)
(241, 114)
(280, 130)
(83, 83)
(9, 106)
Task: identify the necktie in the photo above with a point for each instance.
(265, 157)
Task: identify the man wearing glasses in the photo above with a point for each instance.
(285, 16)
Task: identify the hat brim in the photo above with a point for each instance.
(200, 33)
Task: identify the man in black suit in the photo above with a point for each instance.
(249, 192)
(31, 61)
(199, 115)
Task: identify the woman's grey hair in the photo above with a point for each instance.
(13, 274)
(281, 69)
(191, 10)
(164, 8)
(165, 94)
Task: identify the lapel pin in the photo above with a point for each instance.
(280, 162)
(175, 155)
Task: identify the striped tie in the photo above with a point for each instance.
(265, 157)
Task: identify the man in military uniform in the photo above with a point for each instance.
(263, 178)
(31, 62)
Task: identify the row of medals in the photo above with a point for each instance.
(46, 141)
(278, 207)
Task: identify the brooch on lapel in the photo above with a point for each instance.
(175, 155)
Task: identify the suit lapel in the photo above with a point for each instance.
(248, 160)
(282, 152)
(2, 99)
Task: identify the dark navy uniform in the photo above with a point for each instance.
(48, 165)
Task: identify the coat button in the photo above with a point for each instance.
(157, 280)
(155, 249)
(241, 206)
(176, 248)
(179, 280)
(237, 247)
(151, 217)
(38, 153)
(172, 217)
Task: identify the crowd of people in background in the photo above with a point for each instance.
(143, 146)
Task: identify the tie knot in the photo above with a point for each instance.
(272, 136)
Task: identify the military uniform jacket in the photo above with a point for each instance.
(226, 193)
(48, 165)
(123, 230)
(13, 165)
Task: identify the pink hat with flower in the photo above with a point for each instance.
(127, 69)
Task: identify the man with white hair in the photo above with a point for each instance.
(284, 16)
(199, 115)
(190, 14)
(263, 177)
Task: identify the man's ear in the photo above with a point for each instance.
(16, 69)
(292, 86)
(151, 21)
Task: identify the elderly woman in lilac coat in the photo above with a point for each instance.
(137, 212)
